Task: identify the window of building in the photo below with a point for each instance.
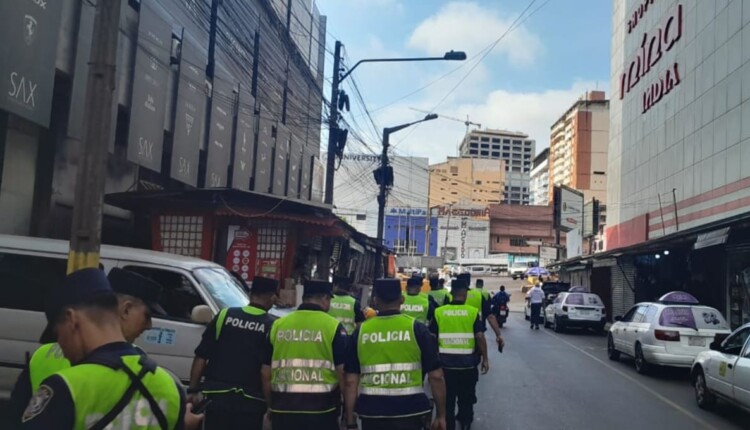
(454, 193)
(506, 155)
(495, 147)
(506, 140)
(454, 169)
(516, 169)
(506, 148)
(472, 145)
(485, 139)
(474, 138)
(524, 189)
(596, 172)
(527, 156)
(515, 188)
(527, 150)
(507, 169)
(526, 170)
(517, 142)
(529, 142)
(495, 140)
(517, 241)
(496, 154)
(485, 153)
(478, 182)
(443, 179)
(497, 239)
(473, 152)
(405, 247)
(361, 217)
(485, 146)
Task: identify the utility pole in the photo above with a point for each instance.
(86, 230)
(381, 199)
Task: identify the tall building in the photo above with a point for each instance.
(540, 179)
(515, 148)
(467, 180)
(578, 147)
(512, 227)
(355, 195)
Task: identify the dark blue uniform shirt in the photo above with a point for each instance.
(455, 361)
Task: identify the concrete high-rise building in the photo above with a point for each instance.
(515, 148)
(467, 180)
(540, 179)
(578, 147)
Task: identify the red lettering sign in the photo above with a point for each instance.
(638, 13)
(661, 88)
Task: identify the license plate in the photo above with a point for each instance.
(584, 313)
(696, 341)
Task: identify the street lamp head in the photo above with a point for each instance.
(430, 117)
(455, 56)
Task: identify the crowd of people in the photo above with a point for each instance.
(329, 364)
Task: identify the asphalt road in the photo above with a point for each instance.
(545, 380)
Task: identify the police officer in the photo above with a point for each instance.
(344, 307)
(476, 298)
(110, 383)
(307, 363)
(230, 358)
(416, 304)
(460, 333)
(386, 358)
(479, 286)
(137, 300)
(439, 294)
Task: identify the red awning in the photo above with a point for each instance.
(313, 219)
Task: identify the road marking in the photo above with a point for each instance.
(636, 382)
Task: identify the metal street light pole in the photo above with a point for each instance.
(384, 176)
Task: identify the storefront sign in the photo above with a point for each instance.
(464, 232)
(220, 132)
(190, 114)
(407, 211)
(362, 157)
(270, 268)
(148, 105)
(463, 212)
(244, 146)
(638, 13)
(29, 34)
(652, 48)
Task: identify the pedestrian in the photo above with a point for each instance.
(230, 359)
(306, 373)
(416, 304)
(462, 345)
(535, 296)
(386, 359)
(137, 298)
(344, 307)
(439, 294)
(110, 384)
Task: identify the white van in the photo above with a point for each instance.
(193, 291)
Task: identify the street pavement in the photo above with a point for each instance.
(545, 380)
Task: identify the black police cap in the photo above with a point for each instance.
(342, 282)
(388, 289)
(313, 287)
(459, 284)
(465, 277)
(77, 288)
(262, 285)
(434, 283)
(480, 283)
(414, 281)
(134, 284)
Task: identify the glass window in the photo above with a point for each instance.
(363, 217)
(734, 343)
(495, 140)
(485, 139)
(27, 280)
(178, 296)
(485, 153)
(472, 145)
(650, 314)
(692, 317)
(496, 154)
(224, 289)
(574, 299)
(629, 316)
(485, 146)
(640, 313)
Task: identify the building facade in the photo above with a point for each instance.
(539, 185)
(678, 192)
(578, 147)
(355, 191)
(515, 148)
(513, 226)
(463, 232)
(406, 232)
(467, 180)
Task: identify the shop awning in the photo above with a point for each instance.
(313, 219)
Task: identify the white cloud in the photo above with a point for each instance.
(469, 27)
(529, 112)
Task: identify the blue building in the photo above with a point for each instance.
(405, 231)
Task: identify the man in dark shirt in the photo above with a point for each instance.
(385, 361)
(230, 357)
(306, 367)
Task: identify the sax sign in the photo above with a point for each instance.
(29, 34)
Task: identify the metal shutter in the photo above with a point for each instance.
(623, 297)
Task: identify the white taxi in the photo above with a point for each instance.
(576, 309)
(724, 371)
(669, 332)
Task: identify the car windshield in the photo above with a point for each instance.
(692, 317)
(224, 289)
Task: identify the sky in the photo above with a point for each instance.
(558, 50)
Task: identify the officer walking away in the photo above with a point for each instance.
(137, 301)
(479, 285)
(460, 333)
(111, 384)
(417, 305)
(438, 292)
(230, 358)
(535, 296)
(385, 363)
(476, 299)
(344, 307)
(307, 364)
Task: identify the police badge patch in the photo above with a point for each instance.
(38, 402)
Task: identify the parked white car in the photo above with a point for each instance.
(581, 310)
(670, 332)
(724, 371)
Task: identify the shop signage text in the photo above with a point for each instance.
(459, 212)
(652, 49)
(361, 157)
(638, 13)
(407, 211)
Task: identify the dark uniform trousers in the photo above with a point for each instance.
(233, 411)
(409, 423)
(460, 385)
(326, 421)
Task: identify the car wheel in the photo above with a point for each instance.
(641, 365)
(612, 353)
(703, 395)
(558, 326)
